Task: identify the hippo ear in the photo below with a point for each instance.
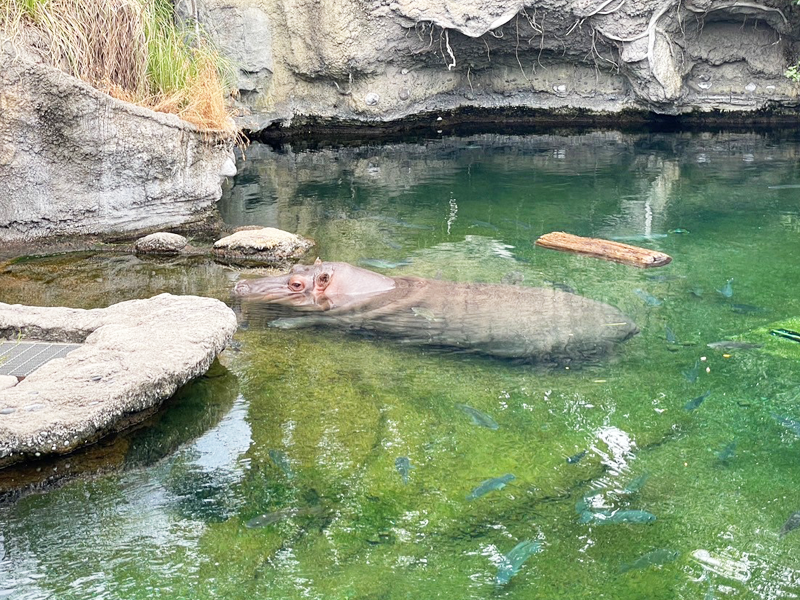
(318, 261)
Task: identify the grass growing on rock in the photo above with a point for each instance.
(133, 50)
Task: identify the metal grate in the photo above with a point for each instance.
(23, 358)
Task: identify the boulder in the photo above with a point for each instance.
(263, 245)
(161, 242)
(133, 356)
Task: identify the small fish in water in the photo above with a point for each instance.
(576, 458)
(490, 485)
(615, 517)
(727, 289)
(379, 263)
(728, 346)
(512, 561)
(403, 466)
(671, 339)
(791, 524)
(636, 484)
(788, 186)
(747, 309)
(691, 374)
(282, 462)
(638, 238)
(655, 558)
(478, 417)
(696, 402)
(696, 291)
(648, 299)
(485, 225)
(786, 333)
(513, 278)
(791, 424)
(679, 230)
(661, 278)
(561, 286)
(727, 453)
(425, 313)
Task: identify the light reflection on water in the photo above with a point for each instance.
(343, 409)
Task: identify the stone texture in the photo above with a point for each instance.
(265, 245)
(161, 242)
(390, 59)
(135, 354)
(7, 381)
(75, 161)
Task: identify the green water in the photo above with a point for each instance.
(308, 424)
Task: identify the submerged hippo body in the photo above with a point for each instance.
(540, 324)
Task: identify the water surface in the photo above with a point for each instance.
(278, 476)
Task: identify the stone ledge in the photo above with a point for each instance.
(135, 355)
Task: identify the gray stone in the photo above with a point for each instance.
(161, 243)
(264, 245)
(420, 56)
(142, 350)
(75, 161)
(7, 381)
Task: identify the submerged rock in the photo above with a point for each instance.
(161, 243)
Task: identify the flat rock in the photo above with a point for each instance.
(161, 242)
(265, 245)
(133, 356)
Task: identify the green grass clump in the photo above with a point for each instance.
(131, 49)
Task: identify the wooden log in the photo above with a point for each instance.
(605, 249)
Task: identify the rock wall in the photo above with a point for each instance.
(75, 161)
(383, 60)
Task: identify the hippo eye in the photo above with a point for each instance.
(296, 285)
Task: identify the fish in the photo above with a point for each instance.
(403, 466)
(747, 309)
(658, 557)
(786, 333)
(696, 291)
(575, 458)
(636, 484)
(696, 402)
(661, 278)
(478, 417)
(790, 424)
(485, 225)
(727, 453)
(639, 238)
(511, 562)
(727, 289)
(648, 299)
(728, 345)
(671, 339)
(792, 523)
(561, 286)
(282, 462)
(513, 278)
(679, 230)
(691, 374)
(490, 485)
(379, 263)
(615, 517)
(282, 515)
(788, 186)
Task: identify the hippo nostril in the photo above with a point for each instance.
(241, 288)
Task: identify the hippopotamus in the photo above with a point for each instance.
(537, 324)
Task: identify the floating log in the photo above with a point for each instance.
(605, 249)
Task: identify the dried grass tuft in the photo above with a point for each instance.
(131, 49)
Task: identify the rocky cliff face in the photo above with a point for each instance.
(382, 60)
(75, 161)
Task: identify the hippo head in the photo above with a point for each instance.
(321, 286)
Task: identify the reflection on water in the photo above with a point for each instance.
(352, 459)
